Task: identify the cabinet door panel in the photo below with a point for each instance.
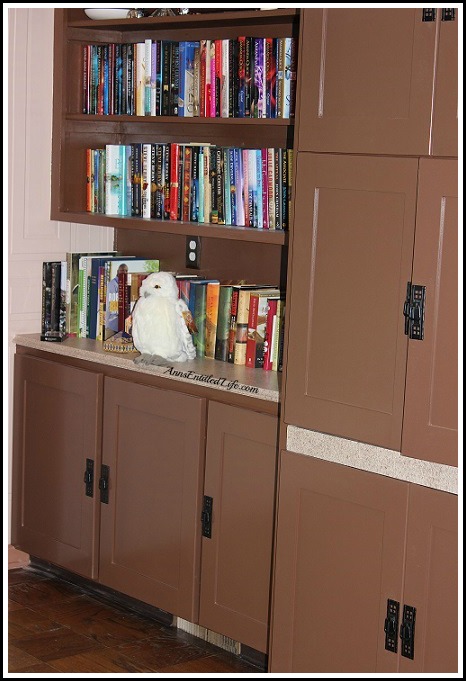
(431, 581)
(445, 114)
(150, 529)
(339, 557)
(430, 427)
(352, 256)
(236, 560)
(366, 81)
(57, 420)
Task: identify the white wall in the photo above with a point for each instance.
(32, 236)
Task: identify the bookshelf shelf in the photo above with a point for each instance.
(277, 237)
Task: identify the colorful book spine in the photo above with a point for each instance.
(239, 177)
(174, 78)
(280, 76)
(197, 80)
(241, 77)
(271, 187)
(186, 189)
(242, 317)
(233, 196)
(219, 182)
(153, 79)
(260, 216)
(136, 180)
(211, 320)
(183, 67)
(271, 312)
(232, 329)
(225, 81)
(208, 79)
(223, 322)
(213, 80)
(194, 195)
(259, 81)
(202, 78)
(146, 180)
(226, 186)
(174, 184)
(147, 76)
(288, 74)
(114, 180)
(277, 331)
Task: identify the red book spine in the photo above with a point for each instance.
(202, 85)
(122, 283)
(252, 326)
(218, 77)
(232, 332)
(213, 81)
(174, 188)
(272, 311)
(265, 189)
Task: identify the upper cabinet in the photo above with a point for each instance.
(430, 426)
(379, 81)
(352, 368)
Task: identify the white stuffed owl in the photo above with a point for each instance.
(159, 320)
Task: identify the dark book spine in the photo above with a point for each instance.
(247, 75)
(118, 79)
(292, 74)
(86, 77)
(106, 80)
(100, 81)
(278, 188)
(158, 79)
(179, 203)
(124, 79)
(166, 53)
(55, 302)
(46, 319)
(130, 80)
(232, 330)
(174, 78)
(136, 179)
(270, 75)
(284, 197)
(231, 77)
(187, 170)
(241, 77)
(194, 202)
(153, 179)
(233, 197)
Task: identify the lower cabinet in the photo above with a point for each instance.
(352, 548)
(241, 458)
(56, 439)
(109, 482)
(153, 458)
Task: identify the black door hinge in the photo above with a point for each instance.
(448, 14)
(206, 517)
(391, 625)
(407, 631)
(103, 483)
(429, 14)
(89, 478)
(413, 311)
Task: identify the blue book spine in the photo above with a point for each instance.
(158, 79)
(226, 171)
(181, 93)
(106, 79)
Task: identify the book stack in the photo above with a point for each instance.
(236, 322)
(243, 77)
(53, 314)
(192, 183)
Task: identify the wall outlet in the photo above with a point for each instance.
(193, 252)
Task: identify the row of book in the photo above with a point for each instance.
(244, 77)
(192, 183)
(82, 295)
(238, 323)
(92, 295)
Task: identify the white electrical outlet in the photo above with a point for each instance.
(193, 252)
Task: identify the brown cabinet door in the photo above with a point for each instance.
(57, 417)
(153, 444)
(431, 581)
(445, 113)
(339, 557)
(236, 559)
(352, 256)
(366, 81)
(430, 427)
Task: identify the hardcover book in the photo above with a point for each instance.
(212, 301)
(258, 306)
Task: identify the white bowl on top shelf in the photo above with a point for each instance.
(106, 13)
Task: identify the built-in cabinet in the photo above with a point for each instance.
(349, 543)
(110, 482)
(153, 459)
(372, 77)
(240, 474)
(56, 444)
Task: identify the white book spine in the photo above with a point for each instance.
(146, 180)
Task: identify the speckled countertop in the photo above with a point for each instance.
(255, 383)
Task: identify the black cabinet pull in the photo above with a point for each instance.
(206, 517)
(103, 483)
(89, 478)
(407, 631)
(391, 625)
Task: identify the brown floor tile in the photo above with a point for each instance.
(39, 668)
(24, 575)
(25, 622)
(211, 664)
(55, 644)
(18, 659)
(98, 661)
(153, 654)
(46, 591)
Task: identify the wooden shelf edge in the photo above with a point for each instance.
(189, 20)
(187, 120)
(265, 236)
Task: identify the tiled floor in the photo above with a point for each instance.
(57, 627)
